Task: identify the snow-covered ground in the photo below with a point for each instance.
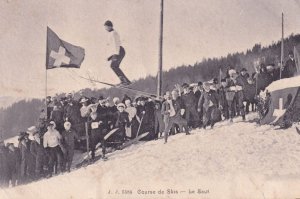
(239, 160)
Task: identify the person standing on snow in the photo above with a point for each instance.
(38, 151)
(69, 136)
(52, 142)
(116, 52)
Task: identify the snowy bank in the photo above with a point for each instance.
(239, 160)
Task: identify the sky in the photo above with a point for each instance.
(193, 29)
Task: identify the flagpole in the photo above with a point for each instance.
(46, 79)
(282, 52)
(159, 73)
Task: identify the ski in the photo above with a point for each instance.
(123, 87)
(298, 130)
(110, 133)
(133, 141)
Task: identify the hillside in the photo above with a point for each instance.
(200, 71)
(258, 162)
(19, 116)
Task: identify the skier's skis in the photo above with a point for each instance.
(124, 87)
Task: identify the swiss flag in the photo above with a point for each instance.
(62, 54)
(281, 99)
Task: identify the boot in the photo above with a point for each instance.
(244, 118)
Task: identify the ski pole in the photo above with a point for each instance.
(138, 131)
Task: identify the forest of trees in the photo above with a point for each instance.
(24, 114)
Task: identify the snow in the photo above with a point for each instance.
(284, 83)
(238, 160)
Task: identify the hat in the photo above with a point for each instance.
(51, 123)
(185, 85)
(22, 135)
(270, 67)
(116, 99)
(67, 124)
(101, 97)
(121, 105)
(231, 72)
(244, 69)
(83, 100)
(108, 23)
(291, 52)
(32, 129)
(206, 85)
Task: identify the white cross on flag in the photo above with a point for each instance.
(62, 54)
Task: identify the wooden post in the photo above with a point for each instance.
(159, 73)
(282, 52)
(87, 141)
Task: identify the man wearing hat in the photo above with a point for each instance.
(57, 116)
(3, 165)
(244, 75)
(173, 111)
(146, 111)
(38, 151)
(235, 95)
(209, 103)
(14, 163)
(122, 121)
(97, 132)
(103, 112)
(27, 159)
(290, 68)
(51, 142)
(190, 103)
(116, 52)
(84, 110)
(69, 136)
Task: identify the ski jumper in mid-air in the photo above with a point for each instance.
(116, 52)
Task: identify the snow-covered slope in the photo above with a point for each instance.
(239, 160)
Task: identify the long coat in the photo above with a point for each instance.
(27, 161)
(3, 166)
(289, 69)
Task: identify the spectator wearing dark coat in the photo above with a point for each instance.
(38, 151)
(72, 114)
(97, 134)
(235, 95)
(14, 164)
(159, 121)
(289, 69)
(27, 159)
(173, 111)
(222, 99)
(209, 103)
(190, 104)
(249, 94)
(122, 121)
(3, 165)
(57, 116)
(69, 136)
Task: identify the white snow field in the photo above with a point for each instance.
(239, 160)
